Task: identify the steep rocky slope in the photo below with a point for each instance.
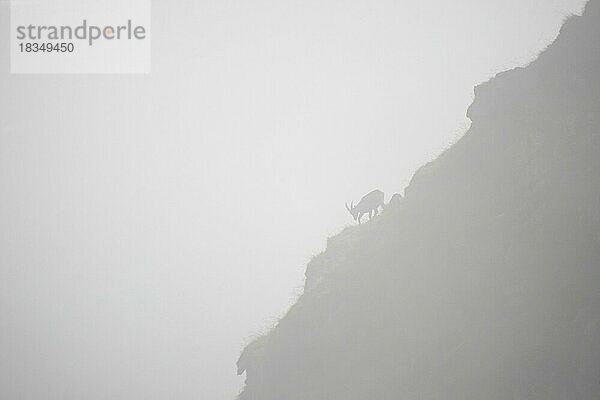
(484, 282)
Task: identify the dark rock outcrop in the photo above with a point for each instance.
(485, 282)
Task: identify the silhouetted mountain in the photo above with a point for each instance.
(483, 282)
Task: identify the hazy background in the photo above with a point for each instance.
(151, 225)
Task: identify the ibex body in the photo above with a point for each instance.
(369, 204)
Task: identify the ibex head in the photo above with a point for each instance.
(352, 210)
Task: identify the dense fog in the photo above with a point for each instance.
(153, 225)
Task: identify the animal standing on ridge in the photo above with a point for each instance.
(369, 204)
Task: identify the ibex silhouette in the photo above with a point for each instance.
(369, 204)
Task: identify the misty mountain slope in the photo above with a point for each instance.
(484, 282)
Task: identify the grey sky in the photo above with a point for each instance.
(150, 225)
